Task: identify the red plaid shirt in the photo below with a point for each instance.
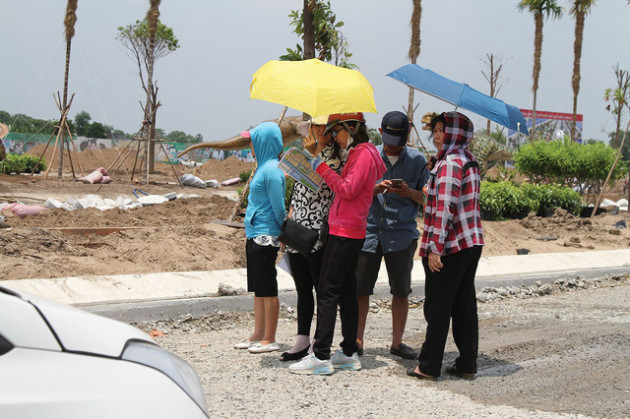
(452, 218)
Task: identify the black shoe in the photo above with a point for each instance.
(286, 356)
(403, 351)
(454, 371)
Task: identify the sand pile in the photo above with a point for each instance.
(221, 170)
(90, 160)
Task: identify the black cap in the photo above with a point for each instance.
(395, 126)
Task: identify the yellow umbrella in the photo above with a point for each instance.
(313, 86)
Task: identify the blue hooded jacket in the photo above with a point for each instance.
(265, 204)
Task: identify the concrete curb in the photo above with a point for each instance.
(199, 306)
(166, 295)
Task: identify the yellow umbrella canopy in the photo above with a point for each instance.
(313, 86)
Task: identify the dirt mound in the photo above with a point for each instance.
(180, 212)
(89, 159)
(572, 231)
(122, 163)
(174, 236)
(179, 236)
(222, 169)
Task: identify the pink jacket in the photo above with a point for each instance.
(353, 190)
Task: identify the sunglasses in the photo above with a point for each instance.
(333, 134)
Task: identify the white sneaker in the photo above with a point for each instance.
(259, 348)
(311, 365)
(246, 344)
(342, 361)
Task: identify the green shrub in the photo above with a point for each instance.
(23, 163)
(244, 176)
(569, 199)
(502, 200)
(31, 162)
(553, 196)
(566, 162)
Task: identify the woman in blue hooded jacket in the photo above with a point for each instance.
(263, 223)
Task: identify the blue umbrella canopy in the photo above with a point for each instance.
(461, 95)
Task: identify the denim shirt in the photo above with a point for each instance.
(392, 218)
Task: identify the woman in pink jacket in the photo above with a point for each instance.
(347, 222)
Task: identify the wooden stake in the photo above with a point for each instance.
(74, 146)
(43, 153)
(612, 168)
(170, 164)
(52, 158)
(420, 140)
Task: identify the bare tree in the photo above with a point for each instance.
(148, 42)
(619, 98)
(493, 76)
(150, 108)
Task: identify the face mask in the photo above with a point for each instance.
(343, 154)
(349, 143)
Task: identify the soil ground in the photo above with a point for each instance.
(180, 235)
(560, 355)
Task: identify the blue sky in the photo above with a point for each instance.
(204, 86)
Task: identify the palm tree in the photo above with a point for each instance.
(69, 22)
(414, 48)
(579, 9)
(540, 9)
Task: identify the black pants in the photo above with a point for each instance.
(450, 293)
(337, 285)
(262, 276)
(305, 271)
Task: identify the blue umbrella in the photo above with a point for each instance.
(461, 95)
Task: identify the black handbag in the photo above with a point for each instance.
(298, 237)
(324, 231)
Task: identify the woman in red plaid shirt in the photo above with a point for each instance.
(450, 250)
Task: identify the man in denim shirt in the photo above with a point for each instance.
(391, 228)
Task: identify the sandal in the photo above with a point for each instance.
(412, 373)
(287, 356)
(454, 371)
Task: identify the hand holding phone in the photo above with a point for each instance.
(396, 183)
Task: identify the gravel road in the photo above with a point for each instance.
(566, 354)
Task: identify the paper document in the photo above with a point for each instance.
(296, 165)
(284, 263)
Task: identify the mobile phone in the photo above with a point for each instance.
(396, 183)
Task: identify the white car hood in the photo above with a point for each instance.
(80, 331)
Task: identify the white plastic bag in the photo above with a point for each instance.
(192, 180)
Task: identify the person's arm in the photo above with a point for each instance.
(358, 172)
(406, 192)
(276, 190)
